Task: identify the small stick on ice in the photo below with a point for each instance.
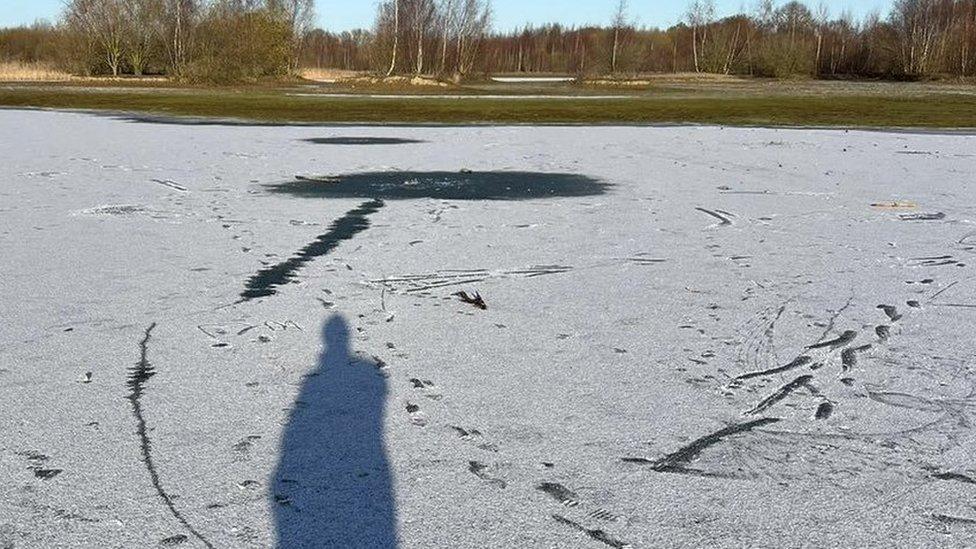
(475, 300)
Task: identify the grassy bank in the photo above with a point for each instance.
(932, 109)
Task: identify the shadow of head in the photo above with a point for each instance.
(362, 141)
(444, 185)
(332, 486)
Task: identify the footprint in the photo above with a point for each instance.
(417, 416)
(173, 541)
(891, 311)
(560, 493)
(36, 462)
(848, 356)
(46, 474)
(474, 436)
(480, 470)
(428, 387)
(824, 410)
(242, 449)
(603, 514)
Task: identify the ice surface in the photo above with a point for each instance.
(722, 343)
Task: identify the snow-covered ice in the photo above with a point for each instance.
(694, 336)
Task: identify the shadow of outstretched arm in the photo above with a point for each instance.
(332, 486)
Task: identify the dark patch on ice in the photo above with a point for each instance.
(959, 477)
(723, 220)
(444, 185)
(676, 462)
(46, 474)
(798, 362)
(891, 311)
(33, 457)
(936, 216)
(172, 185)
(935, 261)
(173, 541)
(421, 384)
(884, 332)
(139, 375)
(824, 410)
(848, 357)
(844, 339)
(266, 281)
(362, 141)
(949, 520)
(596, 534)
(120, 210)
(780, 394)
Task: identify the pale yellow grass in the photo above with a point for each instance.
(31, 72)
(664, 78)
(353, 78)
(328, 75)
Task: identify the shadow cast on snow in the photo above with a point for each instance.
(332, 486)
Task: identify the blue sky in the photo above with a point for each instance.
(348, 14)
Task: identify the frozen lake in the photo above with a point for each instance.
(248, 336)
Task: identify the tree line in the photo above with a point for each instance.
(235, 40)
(216, 40)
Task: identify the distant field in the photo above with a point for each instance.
(717, 101)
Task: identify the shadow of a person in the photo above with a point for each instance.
(332, 486)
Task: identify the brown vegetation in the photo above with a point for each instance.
(250, 40)
(16, 71)
(917, 39)
(218, 41)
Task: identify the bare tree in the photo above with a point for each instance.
(176, 23)
(969, 40)
(140, 32)
(396, 36)
(104, 22)
(915, 23)
(474, 24)
(700, 16)
(822, 27)
(447, 19)
(421, 15)
(620, 21)
(299, 15)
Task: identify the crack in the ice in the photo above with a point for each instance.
(139, 375)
